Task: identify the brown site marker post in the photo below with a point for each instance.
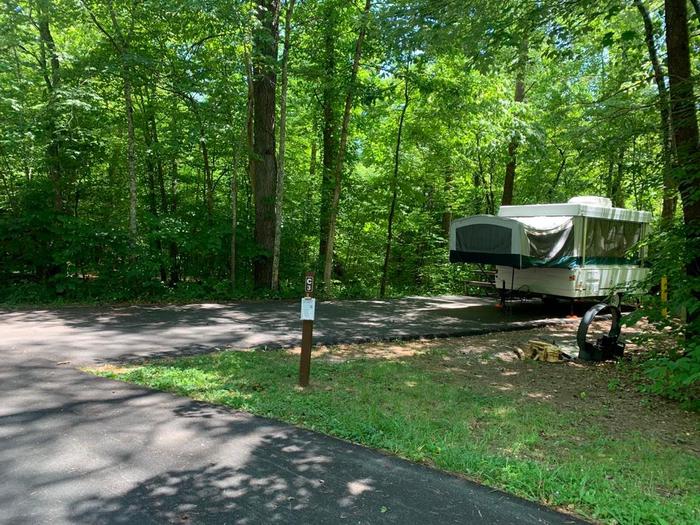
(307, 329)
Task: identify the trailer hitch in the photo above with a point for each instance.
(605, 347)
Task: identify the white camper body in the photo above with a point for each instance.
(580, 249)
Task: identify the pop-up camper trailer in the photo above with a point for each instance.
(579, 249)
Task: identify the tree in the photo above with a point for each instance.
(279, 197)
(264, 160)
(121, 43)
(342, 149)
(685, 133)
(394, 189)
(329, 137)
(509, 181)
(669, 202)
(51, 70)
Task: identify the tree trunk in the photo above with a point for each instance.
(560, 172)
(234, 224)
(130, 150)
(173, 248)
(160, 172)
(685, 134)
(279, 197)
(52, 79)
(148, 159)
(312, 160)
(338, 168)
(670, 192)
(250, 124)
(329, 137)
(152, 168)
(394, 191)
(265, 163)
(208, 176)
(509, 181)
(616, 190)
(479, 180)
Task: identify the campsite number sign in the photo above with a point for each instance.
(309, 284)
(308, 313)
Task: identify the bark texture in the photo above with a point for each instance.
(52, 78)
(509, 181)
(279, 198)
(264, 160)
(329, 139)
(685, 132)
(670, 190)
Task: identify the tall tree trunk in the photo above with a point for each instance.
(208, 176)
(447, 211)
(342, 148)
(478, 179)
(279, 197)
(685, 133)
(394, 190)
(130, 150)
(509, 181)
(158, 154)
(312, 160)
(234, 224)
(173, 248)
(265, 163)
(670, 192)
(148, 159)
(152, 166)
(560, 172)
(329, 137)
(615, 189)
(250, 124)
(52, 78)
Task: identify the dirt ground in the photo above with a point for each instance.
(606, 394)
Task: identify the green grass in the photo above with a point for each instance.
(419, 410)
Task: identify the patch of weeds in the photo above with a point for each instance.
(613, 384)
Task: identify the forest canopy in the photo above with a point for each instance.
(189, 149)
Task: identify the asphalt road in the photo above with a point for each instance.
(79, 449)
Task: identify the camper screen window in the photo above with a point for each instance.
(611, 239)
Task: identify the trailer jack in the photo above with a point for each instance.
(605, 347)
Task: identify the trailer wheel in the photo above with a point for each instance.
(605, 347)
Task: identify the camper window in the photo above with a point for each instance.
(607, 239)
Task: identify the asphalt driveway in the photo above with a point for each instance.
(79, 449)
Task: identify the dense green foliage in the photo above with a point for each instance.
(674, 366)
(130, 160)
(428, 408)
(588, 125)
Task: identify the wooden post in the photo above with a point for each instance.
(307, 329)
(664, 295)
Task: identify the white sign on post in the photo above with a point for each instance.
(308, 308)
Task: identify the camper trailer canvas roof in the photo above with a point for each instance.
(577, 207)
